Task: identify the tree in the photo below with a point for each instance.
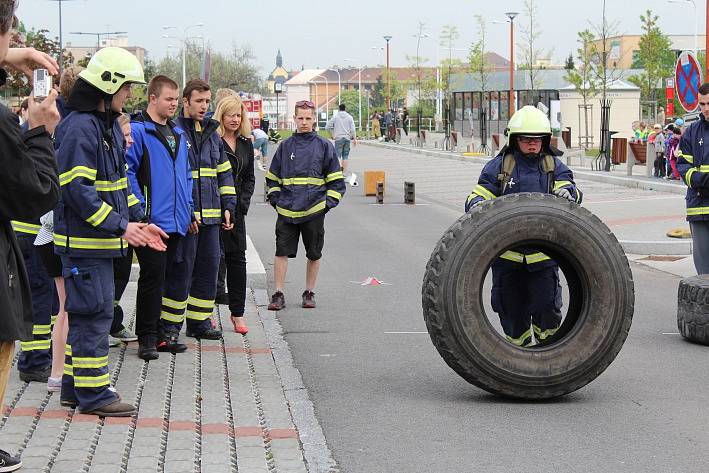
(398, 90)
(583, 79)
(529, 52)
(449, 65)
(351, 100)
(477, 56)
(570, 66)
(654, 56)
(604, 70)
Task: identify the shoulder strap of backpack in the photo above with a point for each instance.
(549, 165)
(508, 165)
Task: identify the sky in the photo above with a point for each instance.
(322, 34)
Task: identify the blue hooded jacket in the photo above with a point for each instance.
(161, 179)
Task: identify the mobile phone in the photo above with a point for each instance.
(41, 83)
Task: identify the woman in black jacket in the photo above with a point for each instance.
(235, 131)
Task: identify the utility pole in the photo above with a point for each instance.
(387, 39)
(512, 108)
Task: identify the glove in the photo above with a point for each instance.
(564, 194)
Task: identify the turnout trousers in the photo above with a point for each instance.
(191, 284)
(35, 354)
(527, 302)
(89, 305)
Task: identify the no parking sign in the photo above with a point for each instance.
(688, 78)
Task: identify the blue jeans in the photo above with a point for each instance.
(342, 148)
(261, 144)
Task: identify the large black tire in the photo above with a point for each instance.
(600, 308)
(693, 308)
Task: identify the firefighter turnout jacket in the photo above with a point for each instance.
(693, 166)
(305, 179)
(212, 181)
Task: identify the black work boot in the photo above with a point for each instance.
(169, 341)
(146, 348)
(40, 375)
(115, 409)
(208, 334)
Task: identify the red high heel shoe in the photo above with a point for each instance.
(242, 329)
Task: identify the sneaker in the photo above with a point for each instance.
(125, 335)
(40, 375)
(209, 334)
(54, 384)
(278, 301)
(170, 343)
(308, 300)
(114, 409)
(8, 462)
(114, 342)
(222, 299)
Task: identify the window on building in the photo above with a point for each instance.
(467, 105)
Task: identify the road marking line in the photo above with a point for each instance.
(670, 333)
(400, 333)
(253, 262)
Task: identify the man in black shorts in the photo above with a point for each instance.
(304, 181)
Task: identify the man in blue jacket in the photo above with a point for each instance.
(159, 171)
(95, 221)
(305, 181)
(194, 272)
(693, 166)
(525, 282)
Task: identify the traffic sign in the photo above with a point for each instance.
(688, 78)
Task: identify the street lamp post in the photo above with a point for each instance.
(511, 100)
(277, 88)
(184, 47)
(327, 94)
(419, 114)
(387, 39)
(696, 19)
(61, 37)
(339, 85)
(359, 90)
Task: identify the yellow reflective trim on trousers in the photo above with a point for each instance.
(54, 319)
(224, 167)
(211, 213)
(75, 173)
(483, 192)
(100, 215)
(304, 213)
(227, 190)
(108, 186)
(519, 341)
(698, 211)
(544, 334)
(536, 258)
(204, 172)
(36, 345)
(198, 315)
(90, 243)
(303, 181)
(687, 157)
(132, 200)
(334, 176)
(334, 194)
(273, 177)
(41, 329)
(68, 369)
(170, 317)
(559, 184)
(513, 256)
(173, 304)
(204, 303)
(67, 350)
(91, 381)
(88, 362)
(274, 189)
(703, 168)
(24, 227)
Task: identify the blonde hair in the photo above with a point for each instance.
(230, 105)
(221, 94)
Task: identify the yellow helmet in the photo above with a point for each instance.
(529, 120)
(110, 68)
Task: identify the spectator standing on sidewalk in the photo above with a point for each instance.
(693, 165)
(388, 122)
(160, 174)
(93, 224)
(671, 152)
(405, 120)
(342, 128)
(261, 147)
(375, 125)
(305, 181)
(234, 128)
(29, 187)
(659, 142)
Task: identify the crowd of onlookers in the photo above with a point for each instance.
(665, 139)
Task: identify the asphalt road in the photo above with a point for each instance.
(388, 403)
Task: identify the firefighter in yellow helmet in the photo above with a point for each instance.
(526, 293)
(95, 221)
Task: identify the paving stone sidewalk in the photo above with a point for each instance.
(219, 407)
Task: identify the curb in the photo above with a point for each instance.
(629, 246)
(317, 454)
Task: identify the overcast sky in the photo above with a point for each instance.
(321, 34)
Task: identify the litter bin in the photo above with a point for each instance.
(619, 150)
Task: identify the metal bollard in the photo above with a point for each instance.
(380, 192)
(409, 193)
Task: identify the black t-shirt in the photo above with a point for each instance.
(169, 136)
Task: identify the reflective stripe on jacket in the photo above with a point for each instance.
(162, 181)
(213, 189)
(692, 164)
(305, 178)
(94, 211)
